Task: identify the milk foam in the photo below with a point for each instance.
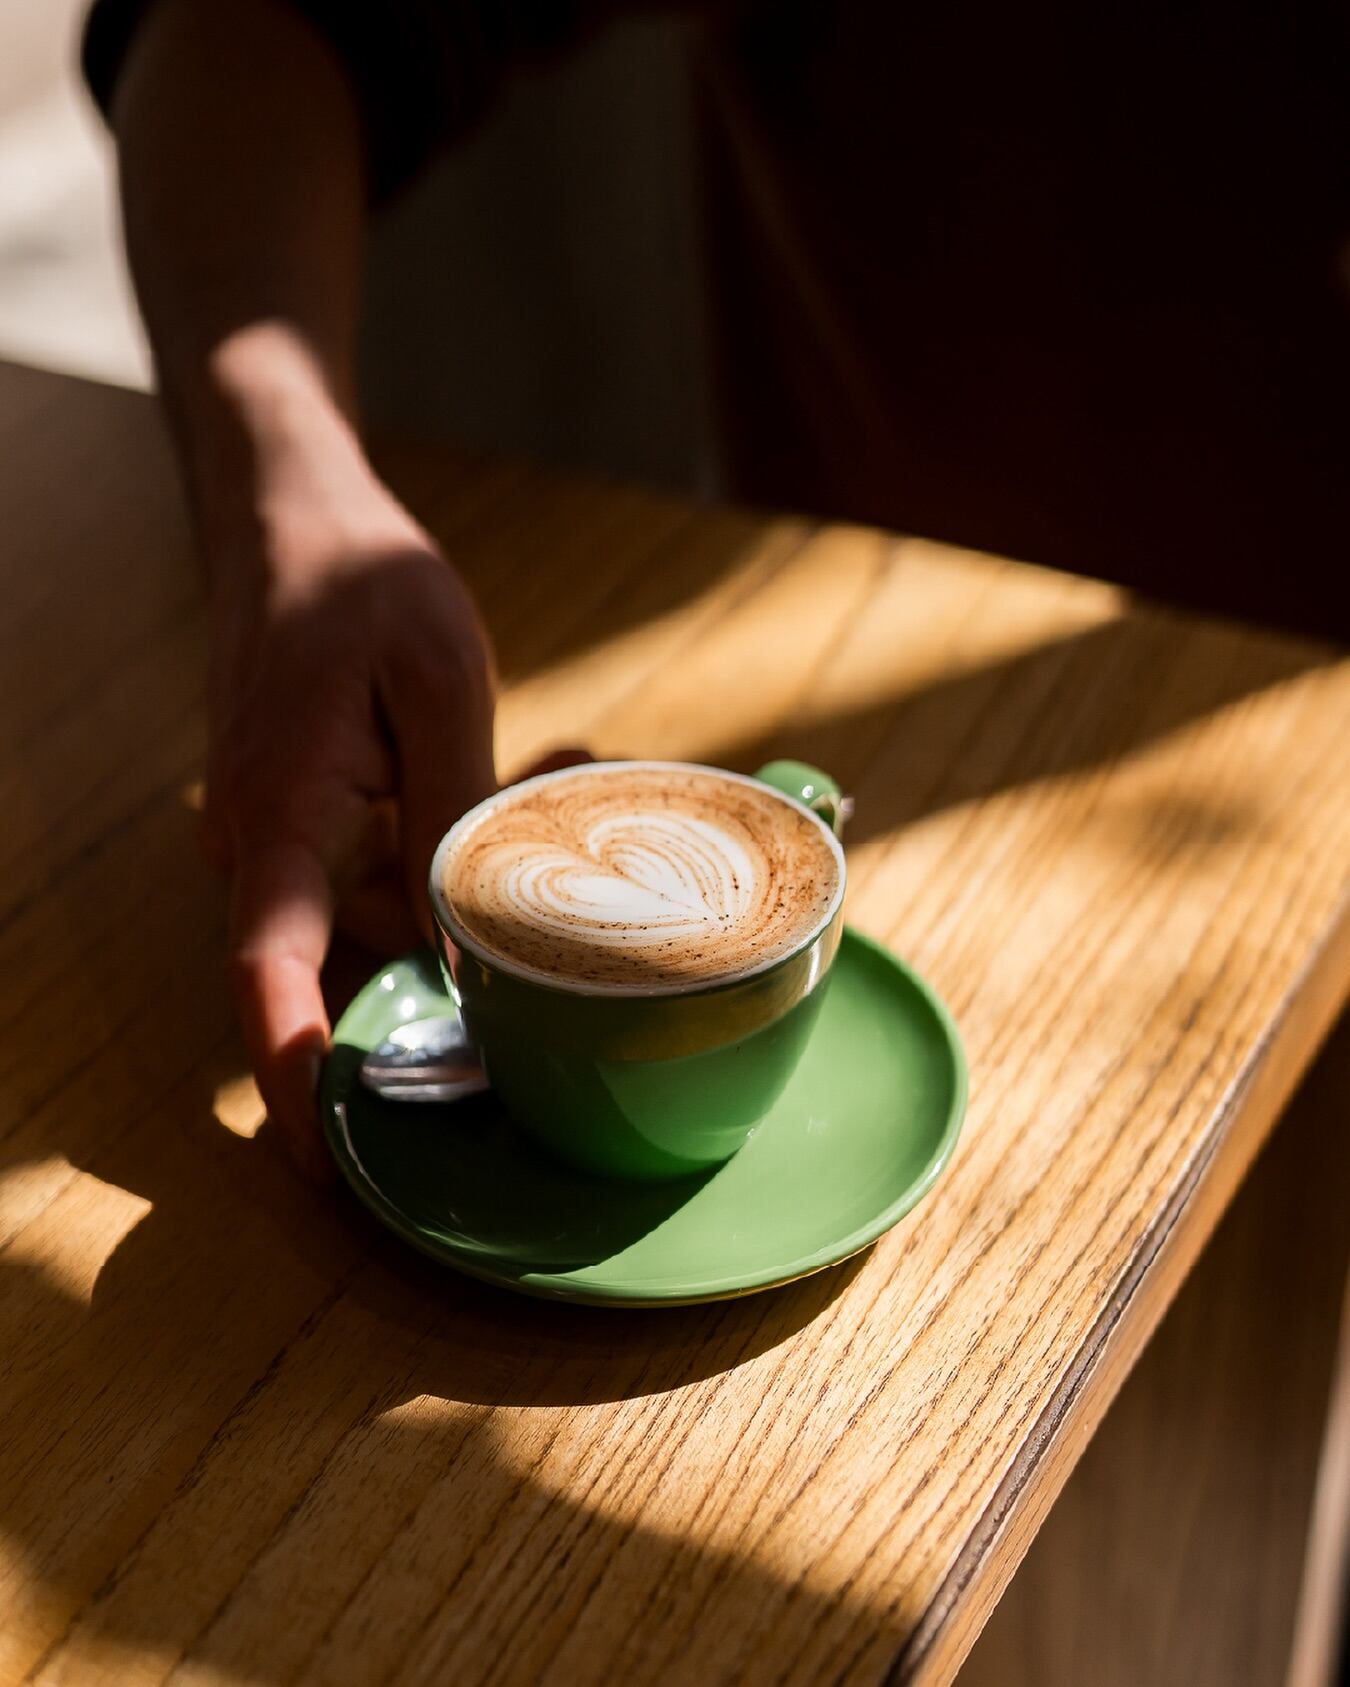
(645, 876)
(675, 874)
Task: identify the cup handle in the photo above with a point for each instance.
(810, 787)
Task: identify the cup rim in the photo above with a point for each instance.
(451, 928)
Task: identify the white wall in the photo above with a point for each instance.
(65, 302)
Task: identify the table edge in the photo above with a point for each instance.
(1249, 1111)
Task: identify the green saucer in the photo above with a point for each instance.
(867, 1123)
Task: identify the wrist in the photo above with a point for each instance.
(267, 436)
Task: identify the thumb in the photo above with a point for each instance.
(280, 919)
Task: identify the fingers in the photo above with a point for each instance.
(572, 755)
(281, 919)
(443, 736)
(376, 915)
(437, 789)
(372, 905)
(380, 912)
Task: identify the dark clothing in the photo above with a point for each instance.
(426, 70)
(1060, 282)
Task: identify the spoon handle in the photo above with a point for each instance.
(428, 1060)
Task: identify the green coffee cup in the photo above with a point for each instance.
(650, 1084)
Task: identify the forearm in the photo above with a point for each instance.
(243, 196)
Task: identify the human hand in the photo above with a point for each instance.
(351, 715)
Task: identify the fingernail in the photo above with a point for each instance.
(317, 1163)
(301, 1129)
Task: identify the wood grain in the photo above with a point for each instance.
(244, 1439)
(1176, 1553)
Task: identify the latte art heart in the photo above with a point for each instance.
(639, 875)
(642, 877)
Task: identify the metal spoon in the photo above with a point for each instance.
(425, 1060)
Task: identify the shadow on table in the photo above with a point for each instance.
(909, 751)
(225, 1357)
(260, 1366)
(1039, 714)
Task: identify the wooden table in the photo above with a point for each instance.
(244, 1438)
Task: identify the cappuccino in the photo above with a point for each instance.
(641, 877)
